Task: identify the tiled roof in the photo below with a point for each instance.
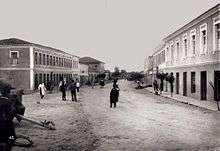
(20, 42)
(88, 60)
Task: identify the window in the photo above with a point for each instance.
(44, 78)
(193, 82)
(177, 50)
(36, 58)
(40, 58)
(57, 64)
(193, 44)
(203, 38)
(40, 78)
(62, 63)
(185, 46)
(14, 55)
(48, 60)
(44, 59)
(167, 54)
(217, 37)
(54, 61)
(172, 52)
(73, 64)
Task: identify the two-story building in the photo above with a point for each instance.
(192, 53)
(24, 64)
(83, 73)
(95, 67)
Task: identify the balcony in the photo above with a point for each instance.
(209, 57)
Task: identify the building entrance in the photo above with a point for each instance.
(217, 85)
(203, 83)
(185, 83)
(177, 83)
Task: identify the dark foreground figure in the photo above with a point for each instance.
(114, 94)
(73, 88)
(7, 130)
(62, 87)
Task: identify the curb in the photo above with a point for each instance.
(183, 102)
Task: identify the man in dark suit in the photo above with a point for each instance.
(72, 88)
(114, 94)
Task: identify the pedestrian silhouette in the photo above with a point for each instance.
(114, 94)
(73, 87)
(155, 87)
(62, 87)
(42, 89)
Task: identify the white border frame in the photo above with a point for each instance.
(201, 28)
(192, 33)
(178, 56)
(167, 53)
(216, 20)
(13, 51)
(172, 44)
(184, 37)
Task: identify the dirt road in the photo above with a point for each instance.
(141, 121)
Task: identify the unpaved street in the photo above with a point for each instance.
(141, 121)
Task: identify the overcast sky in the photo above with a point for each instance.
(119, 32)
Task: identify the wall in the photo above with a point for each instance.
(19, 79)
(210, 77)
(23, 60)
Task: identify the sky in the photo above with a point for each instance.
(120, 33)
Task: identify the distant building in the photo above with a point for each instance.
(24, 64)
(83, 73)
(95, 67)
(192, 53)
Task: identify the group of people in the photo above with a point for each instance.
(74, 88)
(63, 87)
(158, 90)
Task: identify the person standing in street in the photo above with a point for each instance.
(42, 89)
(114, 94)
(155, 87)
(62, 87)
(77, 85)
(72, 87)
(171, 80)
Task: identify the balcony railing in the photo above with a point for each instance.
(209, 57)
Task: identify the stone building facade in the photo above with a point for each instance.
(192, 53)
(83, 73)
(95, 67)
(24, 65)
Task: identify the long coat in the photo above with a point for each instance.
(114, 94)
(42, 89)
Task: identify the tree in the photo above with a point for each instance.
(123, 74)
(101, 76)
(135, 76)
(116, 72)
(214, 89)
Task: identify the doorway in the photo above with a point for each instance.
(184, 83)
(177, 83)
(217, 85)
(203, 82)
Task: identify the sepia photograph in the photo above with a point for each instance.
(110, 75)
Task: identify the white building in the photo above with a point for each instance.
(192, 53)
